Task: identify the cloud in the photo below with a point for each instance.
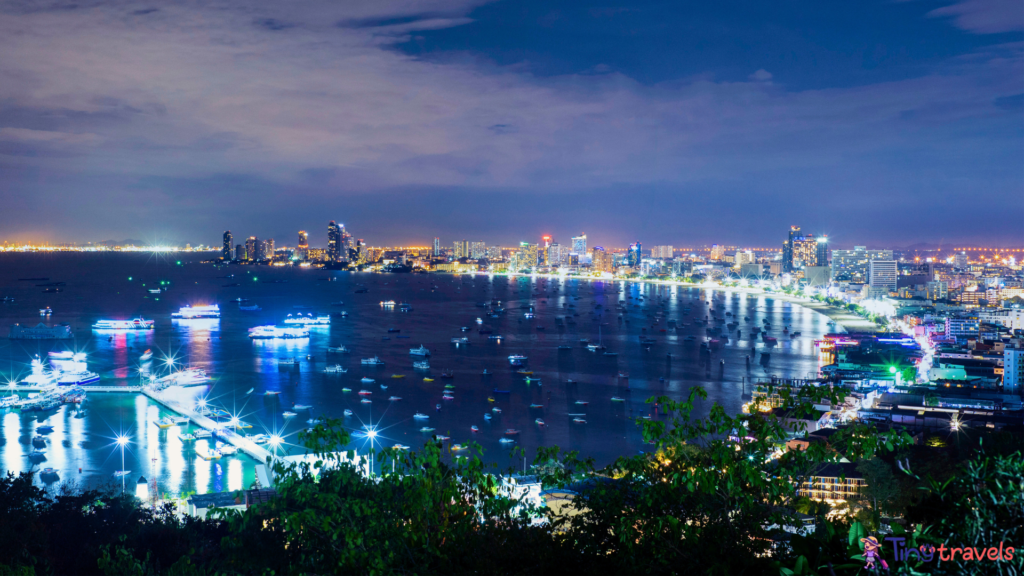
(761, 75)
(35, 136)
(984, 16)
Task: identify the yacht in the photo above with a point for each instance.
(146, 356)
(336, 369)
(423, 365)
(273, 332)
(287, 362)
(186, 377)
(420, 416)
(462, 340)
(190, 312)
(375, 361)
(339, 349)
(367, 380)
(421, 351)
(309, 320)
(136, 324)
(517, 359)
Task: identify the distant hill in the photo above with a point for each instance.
(123, 243)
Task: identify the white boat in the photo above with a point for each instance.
(339, 349)
(366, 380)
(45, 311)
(348, 412)
(309, 320)
(336, 369)
(253, 308)
(301, 407)
(289, 414)
(272, 332)
(135, 324)
(506, 440)
(426, 429)
(421, 351)
(424, 365)
(462, 340)
(516, 359)
(119, 473)
(202, 433)
(420, 416)
(190, 312)
(375, 361)
(146, 356)
(227, 449)
(260, 439)
(287, 362)
(186, 377)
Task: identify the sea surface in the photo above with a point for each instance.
(116, 286)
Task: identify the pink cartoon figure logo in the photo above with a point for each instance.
(871, 553)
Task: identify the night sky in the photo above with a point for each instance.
(876, 122)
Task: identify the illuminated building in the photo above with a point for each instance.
(662, 252)
(556, 254)
(960, 260)
(226, 251)
(494, 253)
(787, 249)
(745, 257)
(882, 274)
(334, 242)
(852, 265)
(316, 254)
(252, 248)
(1013, 370)
(545, 244)
(600, 260)
(477, 250)
(716, 252)
(303, 249)
(579, 244)
(634, 255)
(239, 252)
(437, 247)
(526, 257)
(461, 249)
(821, 256)
(267, 249)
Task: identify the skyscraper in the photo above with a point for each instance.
(252, 248)
(787, 249)
(579, 245)
(852, 265)
(822, 258)
(600, 260)
(716, 252)
(239, 252)
(545, 243)
(635, 254)
(267, 250)
(225, 253)
(556, 254)
(437, 247)
(477, 250)
(461, 249)
(882, 274)
(334, 242)
(662, 252)
(303, 248)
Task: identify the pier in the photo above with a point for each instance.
(85, 388)
(220, 431)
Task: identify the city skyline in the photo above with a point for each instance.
(507, 121)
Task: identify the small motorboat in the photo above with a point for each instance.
(348, 412)
(366, 380)
(383, 386)
(271, 392)
(496, 410)
(428, 379)
(289, 414)
(511, 431)
(146, 356)
(394, 398)
(536, 405)
(346, 389)
(420, 416)
(365, 392)
(582, 402)
(617, 399)
(579, 420)
(301, 407)
(539, 422)
(487, 416)
(366, 401)
(475, 428)
(426, 429)
(506, 440)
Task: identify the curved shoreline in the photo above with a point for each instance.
(842, 317)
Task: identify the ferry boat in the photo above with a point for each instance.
(336, 369)
(309, 320)
(274, 332)
(190, 312)
(517, 359)
(375, 361)
(421, 351)
(423, 365)
(339, 349)
(135, 324)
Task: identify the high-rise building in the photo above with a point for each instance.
(787, 249)
(635, 254)
(225, 253)
(556, 254)
(661, 252)
(267, 249)
(545, 243)
(1013, 370)
(852, 265)
(477, 250)
(960, 260)
(252, 249)
(240, 252)
(744, 257)
(334, 242)
(600, 260)
(882, 274)
(527, 257)
(493, 253)
(821, 252)
(302, 250)
(579, 245)
(437, 247)
(462, 249)
(717, 252)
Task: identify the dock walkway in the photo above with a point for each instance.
(83, 387)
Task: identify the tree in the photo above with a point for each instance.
(881, 486)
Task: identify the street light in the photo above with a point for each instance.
(122, 441)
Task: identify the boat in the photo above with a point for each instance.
(301, 407)
(271, 392)
(375, 361)
(426, 429)
(475, 428)
(420, 416)
(565, 347)
(339, 349)
(135, 324)
(506, 440)
(275, 332)
(400, 447)
(458, 341)
(348, 412)
(209, 455)
(447, 374)
(536, 405)
(260, 439)
(287, 362)
(525, 372)
(120, 473)
(163, 423)
(487, 416)
(187, 437)
(511, 431)
(421, 351)
(227, 449)
(252, 308)
(146, 356)
(457, 447)
(289, 414)
(383, 387)
(346, 389)
(447, 396)
(486, 372)
(496, 391)
(202, 433)
(336, 369)
(579, 420)
(366, 401)
(582, 402)
(428, 379)
(617, 399)
(192, 312)
(422, 365)
(496, 410)
(366, 380)
(185, 377)
(48, 472)
(444, 438)
(398, 375)
(517, 359)
(539, 422)
(394, 399)
(365, 392)
(584, 340)
(45, 311)
(309, 320)
(611, 354)
(495, 337)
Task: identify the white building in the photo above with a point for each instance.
(882, 274)
(1013, 370)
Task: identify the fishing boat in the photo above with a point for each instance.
(375, 361)
(366, 380)
(398, 375)
(476, 428)
(428, 379)
(336, 369)
(366, 401)
(348, 412)
(536, 405)
(420, 416)
(339, 349)
(426, 429)
(617, 399)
